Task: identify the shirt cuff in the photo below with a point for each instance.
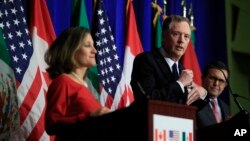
(204, 95)
(181, 85)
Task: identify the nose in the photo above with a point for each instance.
(94, 50)
(216, 82)
(181, 38)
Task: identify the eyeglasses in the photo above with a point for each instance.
(215, 79)
(177, 34)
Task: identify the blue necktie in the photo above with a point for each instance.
(175, 72)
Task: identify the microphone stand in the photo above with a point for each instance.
(243, 97)
(243, 113)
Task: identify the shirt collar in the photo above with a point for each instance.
(169, 61)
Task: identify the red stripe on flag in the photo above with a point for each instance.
(127, 97)
(46, 78)
(109, 101)
(30, 97)
(38, 130)
(130, 94)
(39, 20)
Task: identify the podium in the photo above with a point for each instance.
(232, 129)
(138, 122)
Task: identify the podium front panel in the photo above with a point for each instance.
(167, 121)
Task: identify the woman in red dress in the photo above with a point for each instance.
(69, 100)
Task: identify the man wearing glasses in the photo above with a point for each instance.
(214, 78)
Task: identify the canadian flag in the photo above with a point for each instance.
(133, 48)
(160, 135)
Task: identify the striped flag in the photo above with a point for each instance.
(27, 64)
(174, 135)
(109, 68)
(43, 35)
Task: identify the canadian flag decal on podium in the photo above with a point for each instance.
(160, 135)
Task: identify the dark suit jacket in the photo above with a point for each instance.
(205, 116)
(152, 73)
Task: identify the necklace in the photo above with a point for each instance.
(79, 79)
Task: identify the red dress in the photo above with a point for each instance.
(68, 103)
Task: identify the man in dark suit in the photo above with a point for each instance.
(214, 81)
(159, 75)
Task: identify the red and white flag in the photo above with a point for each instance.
(160, 135)
(42, 34)
(133, 48)
(29, 66)
(116, 91)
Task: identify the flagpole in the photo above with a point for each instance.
(183, 4)
(164, 10)
(165, 6)
(191, 15)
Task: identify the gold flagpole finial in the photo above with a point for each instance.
(158, 11)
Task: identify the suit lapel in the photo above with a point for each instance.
(209, 113)
(161, 63)
(222, 108)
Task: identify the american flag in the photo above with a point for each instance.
(16, 35)
(109, 68)
(174, 135)
(30, 82)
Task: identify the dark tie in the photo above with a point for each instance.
(215, 110)
(175, 72)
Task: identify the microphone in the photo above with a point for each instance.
(243, 97)
(140, 88)
(139, 92)
(231, 92)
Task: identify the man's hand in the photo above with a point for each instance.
(197, 92)
(186, 77)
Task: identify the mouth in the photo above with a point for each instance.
(93, 56)
(179, 47)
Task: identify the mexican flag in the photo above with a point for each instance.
(9, 116)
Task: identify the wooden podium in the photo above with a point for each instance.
(136, 122)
